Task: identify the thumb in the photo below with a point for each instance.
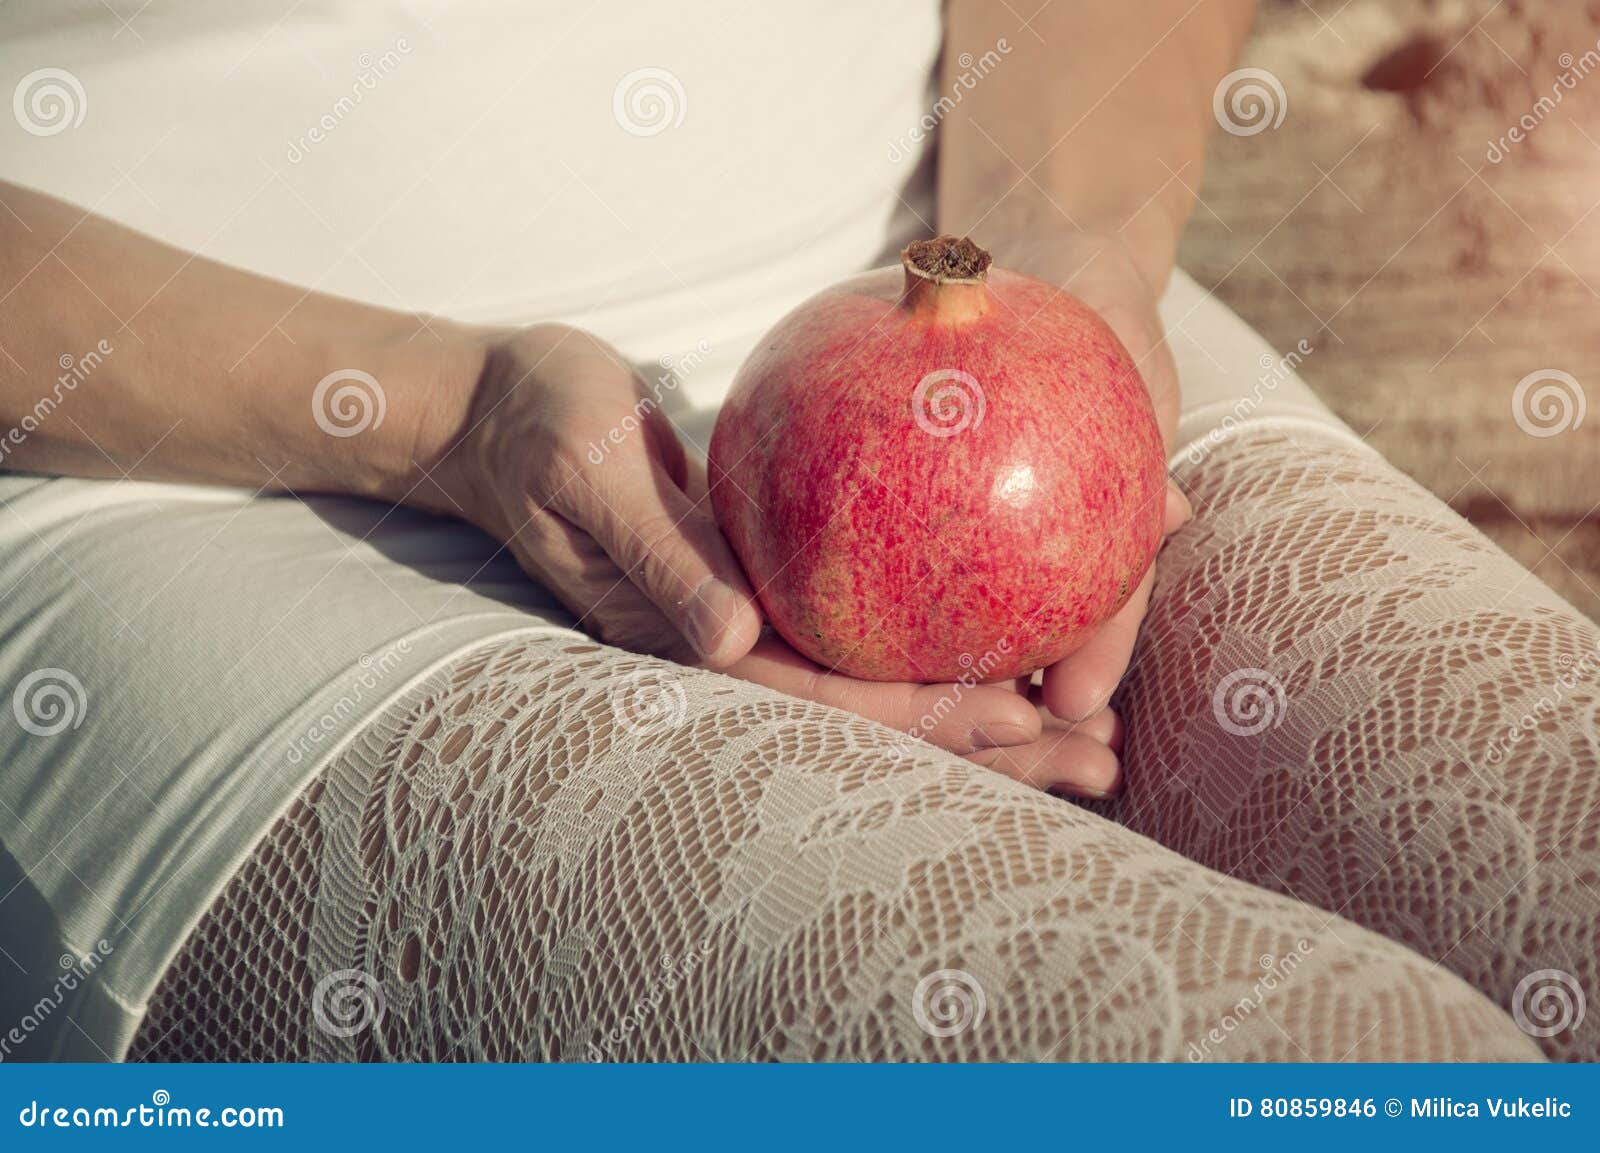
(1178, 512)
(671, 548)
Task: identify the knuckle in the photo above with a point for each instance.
(656, 529)
(659, 561)
(565, 474)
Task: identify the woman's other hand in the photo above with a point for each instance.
(563, 452)
(1103, 273)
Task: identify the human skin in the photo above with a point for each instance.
(215, 370)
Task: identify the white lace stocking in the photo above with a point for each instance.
(1345, 693)
(556, 850)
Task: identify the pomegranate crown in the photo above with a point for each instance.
(946, 260)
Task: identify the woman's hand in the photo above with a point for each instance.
(995, 725)
(1103, 272)
(563, 453)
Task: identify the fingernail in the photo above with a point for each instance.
(1084, 792)
(707, 613)
(998, 735)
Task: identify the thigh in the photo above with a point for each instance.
(1346, 694)
(176, 664)
(562, 851)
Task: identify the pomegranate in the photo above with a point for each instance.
(950, 472)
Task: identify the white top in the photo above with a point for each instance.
(677, 173)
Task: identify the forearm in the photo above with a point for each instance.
(1097, 123)
(126, 356)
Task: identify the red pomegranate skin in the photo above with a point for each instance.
(890, 548)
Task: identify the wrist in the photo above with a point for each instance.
(428, 370)
(1146, 235)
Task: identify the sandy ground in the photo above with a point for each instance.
(1430, 261)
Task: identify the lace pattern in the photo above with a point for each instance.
(1346, 694)
(562, 851)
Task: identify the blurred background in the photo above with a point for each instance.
(1432, 259)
